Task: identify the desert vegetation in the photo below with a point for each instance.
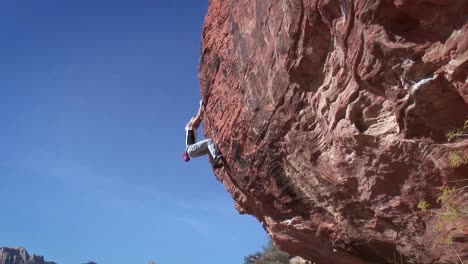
(270, 254)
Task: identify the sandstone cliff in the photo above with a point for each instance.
(332, 114)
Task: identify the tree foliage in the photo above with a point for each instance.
(270, 254)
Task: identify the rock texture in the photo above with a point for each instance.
(20, 256)
(332, 114)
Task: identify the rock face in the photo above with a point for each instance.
(332, 116)
(20, 256)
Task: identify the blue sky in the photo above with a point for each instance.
(94, 96)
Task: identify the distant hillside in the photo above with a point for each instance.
(19, 255)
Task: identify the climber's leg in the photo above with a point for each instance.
(198, 149)
(216, 158)
(213, 150)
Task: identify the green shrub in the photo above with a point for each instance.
(270, 254)
(423, 205)
(447, 214)
(456, 159)
(454, 134)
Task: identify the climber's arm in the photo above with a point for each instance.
(195, 121)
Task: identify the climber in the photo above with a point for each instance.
(196, 149)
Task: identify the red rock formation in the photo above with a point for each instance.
(332, 115)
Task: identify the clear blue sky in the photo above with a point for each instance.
(94, 96)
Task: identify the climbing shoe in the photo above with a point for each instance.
(217, 162)
(218, 158)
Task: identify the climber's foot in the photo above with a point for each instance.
(218, 162)
(218, 159)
